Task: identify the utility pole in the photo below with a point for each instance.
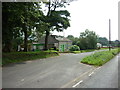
(109, 34)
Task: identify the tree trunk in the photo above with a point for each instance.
(7, 47)
(25, 39)
(46, 40)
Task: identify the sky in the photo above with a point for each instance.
(93, 15)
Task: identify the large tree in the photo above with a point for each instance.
(103, 40)
(9, 22)
(88, 40)
(20, 19)
(56, 19)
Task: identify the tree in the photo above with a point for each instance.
(28, 18)
(115, 43)
(74, 48)
(71, 37)
(9, 32)
(75, 40)
(103, 40)
(88, 40)
(56, 19)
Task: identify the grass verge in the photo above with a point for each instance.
(76, 52)
(99, 58)
(81, 51)
(15, 57)
(88, 50)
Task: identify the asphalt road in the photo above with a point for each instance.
(105, 76)
(56, 72)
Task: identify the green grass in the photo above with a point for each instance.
(88, 50)
(15, 57)
(103, 48)
(76, 52)
(99, 58)
(81, 51)
(51, 51)
(71, 52)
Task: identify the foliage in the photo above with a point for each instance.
(88, 40)
(26, 22)
(74, 40)
(99, 58)
(88, 50)
(76, 52)
(19, 20)
(15, 57)
(103, 41)
(71, 37)
(115, 43)
(74, 48)
(57, 19)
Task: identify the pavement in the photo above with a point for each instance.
(56, 72)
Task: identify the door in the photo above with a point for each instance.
(62, 47)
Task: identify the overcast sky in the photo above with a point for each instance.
(93, 15)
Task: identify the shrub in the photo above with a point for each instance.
(74, 48)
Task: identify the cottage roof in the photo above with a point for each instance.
(53, 39)
(63, 39)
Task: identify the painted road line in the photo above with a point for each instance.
(91, 74)
(77, 83)
(29, 61)
(22, 80)
(98, 67)
(77, 78)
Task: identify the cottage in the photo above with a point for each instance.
(61, 43)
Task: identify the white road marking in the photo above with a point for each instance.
(77, 83)
(22, 79)
(69, 83)
(98, 67)
(91, 74)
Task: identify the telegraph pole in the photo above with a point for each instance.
(109, 34)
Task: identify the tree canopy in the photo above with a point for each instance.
(19, 20)
(88, 40)
(57, 19)
(103, 40)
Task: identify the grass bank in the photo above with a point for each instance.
(88, 50)
(81, 51)
(99, 58)
(15, 57)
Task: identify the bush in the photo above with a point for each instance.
(74, 48)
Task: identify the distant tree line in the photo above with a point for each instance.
(105, 42)
(89, 40)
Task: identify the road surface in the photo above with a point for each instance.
(105, 76)
(56, 72)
